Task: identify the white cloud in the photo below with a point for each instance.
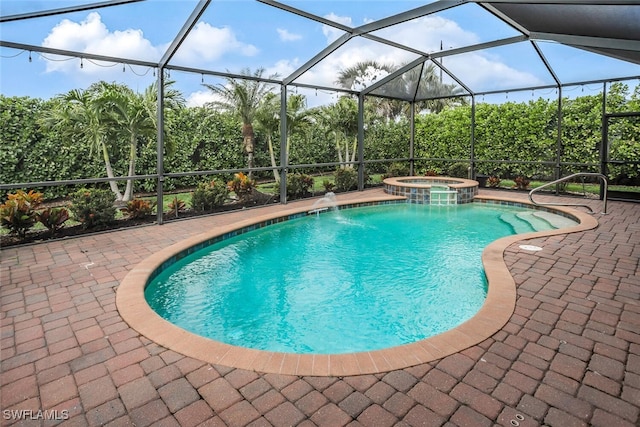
(287, 36)
(199, 98)
(428, 32)
(204, 45)
(283, 68)
(92, 36)
(332, 33)
(209, 43)
(479, 70)
(482, 73)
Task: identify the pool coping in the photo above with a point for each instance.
(492, 316)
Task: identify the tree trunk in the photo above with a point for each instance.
(128, 192)
(248, 142)
(353, 152)
(272, 154)
(339, 150)
(107, 163)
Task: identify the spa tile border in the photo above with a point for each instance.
(493, 315)
(417, 189)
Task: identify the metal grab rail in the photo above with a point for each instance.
(566, 178)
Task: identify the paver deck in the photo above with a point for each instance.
(568, 356)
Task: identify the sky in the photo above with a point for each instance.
(233, 35)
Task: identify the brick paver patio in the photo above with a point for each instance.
(569, 355)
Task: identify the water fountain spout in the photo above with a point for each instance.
(328, 201)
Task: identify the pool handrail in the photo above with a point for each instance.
(566, 178)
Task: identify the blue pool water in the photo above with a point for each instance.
(343, 281)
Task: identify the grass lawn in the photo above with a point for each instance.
(574, 187)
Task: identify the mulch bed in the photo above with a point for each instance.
(36, 236)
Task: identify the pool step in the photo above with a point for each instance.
(556, 221)
(526, 222)
(536, 222)
(518, 225)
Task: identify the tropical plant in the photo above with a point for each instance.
(93, 207)
(340, 122)
(420, 84)
(242, 96)
(133, 116)
(346, 179)
(242, 185)
(107, 114)
(53, 218)
(18, 212)
(267, 119)
(396, 169)
(362, 75)
(139, 208)
(79, 116)
(209, 195)
(328, 185)
(176, 206)
(299, 118)
(521, 182)
(493, 181)
(299, 185)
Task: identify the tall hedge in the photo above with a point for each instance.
(202, 139)
(31, 153)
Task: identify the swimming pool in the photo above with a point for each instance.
(343, 281)
(494, 314)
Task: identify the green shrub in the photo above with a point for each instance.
(346, 179)
(328, 185)
(93, 207)
(458, 170)
(18, 213)
(396, 169)
(209, 195)
(139, 208)
(53, 219)
(299, 185)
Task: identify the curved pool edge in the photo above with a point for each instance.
(492, 316)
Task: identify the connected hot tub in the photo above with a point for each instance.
(438, 190)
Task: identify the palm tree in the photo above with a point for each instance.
(267, 119)
(430, 86)
(340, 121)
(363, 74)
(298, 117)
(242, 97)
(422, 81)
(133, 117)
(78, 116)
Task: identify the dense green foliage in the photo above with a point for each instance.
(204, 139)
(93, 207)
(31, 153)
(299, 185)
(208, 195)
(346, 179)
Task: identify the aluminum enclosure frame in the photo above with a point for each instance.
(520, 15)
